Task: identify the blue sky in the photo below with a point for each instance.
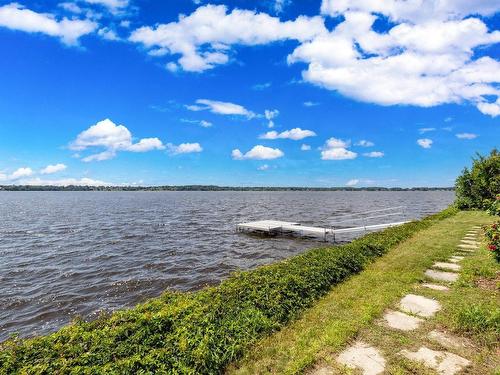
(279, 93)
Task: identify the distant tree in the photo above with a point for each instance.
(478, 187)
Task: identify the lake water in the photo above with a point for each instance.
(64, 254)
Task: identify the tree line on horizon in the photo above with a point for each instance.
(210, 188)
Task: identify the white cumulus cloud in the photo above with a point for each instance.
(305, 147)
(426, 58)
(184, 148)
(295, 134)
(337, 149)
(53, 168)
(258, 152)
(424, 142)
(19, 173)
(113, 138)
(146, 144)
(204, 39)
(16, 17)
(338, 153)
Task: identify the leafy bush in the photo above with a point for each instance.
(478, 187)
(492, 233)
(494, 208)
(201, 332)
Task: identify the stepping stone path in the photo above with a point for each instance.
(449, 277)
(444, 363)
(364, 357)
(401, 321)
(447, 266)
(369, 360)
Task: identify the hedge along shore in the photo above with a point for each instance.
(202, 332)
(315, 339)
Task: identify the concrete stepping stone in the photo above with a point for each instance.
(469, 242)
(435, 287)
(447, 266)
(419, 305)
(468, 247)
(401, 321)
(468, 238)
(457, 257)
(448, 340)
(364, 357)
(466, 251)
(444, 363)
(449, 277)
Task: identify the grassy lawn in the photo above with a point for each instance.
(351, 308)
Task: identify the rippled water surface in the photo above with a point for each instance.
(64, 254)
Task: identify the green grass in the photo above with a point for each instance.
(473, 309)
(354, 305)
(200, 333)
(470, 313)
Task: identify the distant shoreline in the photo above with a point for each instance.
(209, 188)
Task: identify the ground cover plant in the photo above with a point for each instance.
(202, 332)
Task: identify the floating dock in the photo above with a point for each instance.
(277, 227)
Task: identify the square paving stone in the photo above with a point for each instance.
(435, 287)
(444, 363)
(419, 305)
(447, 266)
(401, 321)
(364, 357)
(442, 276)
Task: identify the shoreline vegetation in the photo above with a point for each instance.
(203, 332)
(210, 188)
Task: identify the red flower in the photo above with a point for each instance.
(492, 247)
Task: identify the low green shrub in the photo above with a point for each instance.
(478, 187)
(201, 332)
